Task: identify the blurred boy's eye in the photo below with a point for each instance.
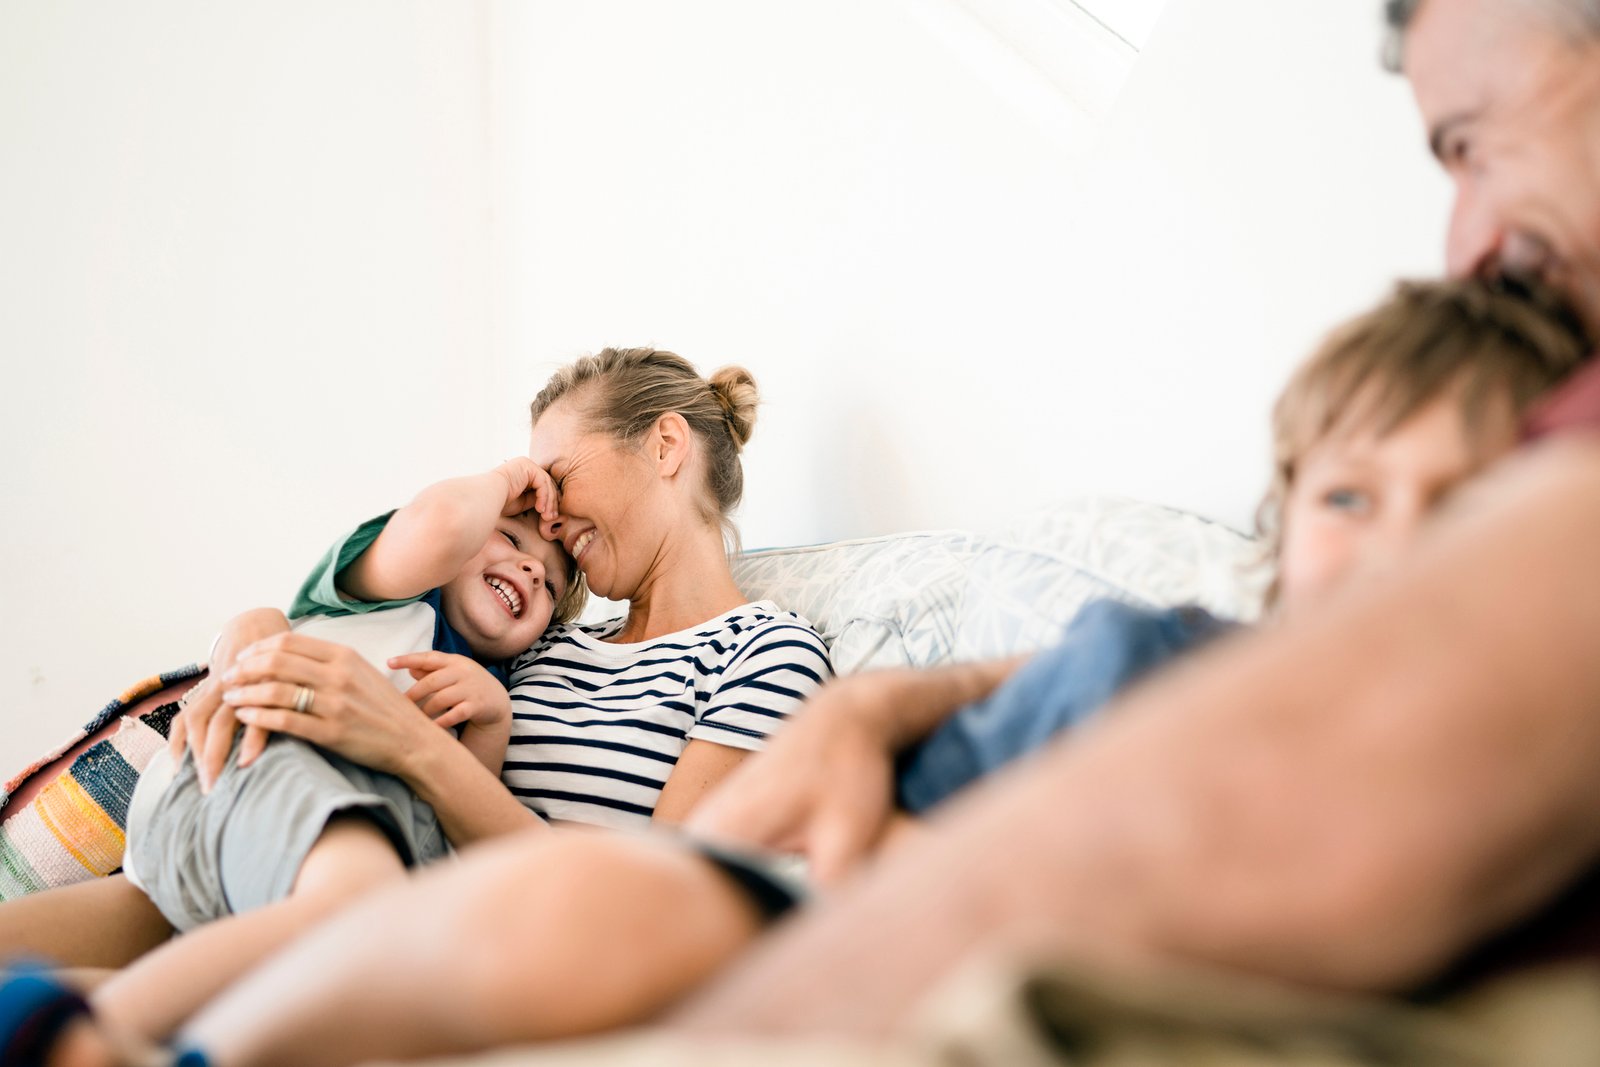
(550, 587)
(1351, 500)
(509, 536)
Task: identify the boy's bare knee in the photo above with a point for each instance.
(351, 857)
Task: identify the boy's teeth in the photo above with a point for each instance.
(507, 594)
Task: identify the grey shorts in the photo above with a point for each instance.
(202, 857)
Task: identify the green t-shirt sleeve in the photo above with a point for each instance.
(319, 594)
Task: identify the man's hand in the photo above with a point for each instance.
(452, 690)
(206, 725)
(824, 787)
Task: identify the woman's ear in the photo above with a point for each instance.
(671, 444)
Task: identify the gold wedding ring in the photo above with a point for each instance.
(303, 697)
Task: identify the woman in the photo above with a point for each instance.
(615, 724)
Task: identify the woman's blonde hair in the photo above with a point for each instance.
(1480, 340)
(625, 390)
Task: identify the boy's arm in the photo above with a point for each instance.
(426, 542)
(487, 744)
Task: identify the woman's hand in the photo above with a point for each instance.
(452, 690)
(205, 724)
(353, 709)
(824, 787)
(529, 487)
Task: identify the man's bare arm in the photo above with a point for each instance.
(1349, 800)
(825, 786)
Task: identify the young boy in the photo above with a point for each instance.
(1373, 433)
(443, 594)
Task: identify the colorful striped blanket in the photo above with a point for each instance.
(62, 817)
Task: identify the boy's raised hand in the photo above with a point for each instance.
(529, 488)
(452, 689)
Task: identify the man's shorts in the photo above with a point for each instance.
(201, 857)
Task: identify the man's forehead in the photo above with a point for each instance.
(1463, 56)
(1451, 51)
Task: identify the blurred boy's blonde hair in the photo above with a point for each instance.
(1477, 340)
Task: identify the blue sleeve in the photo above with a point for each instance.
(1107, 646)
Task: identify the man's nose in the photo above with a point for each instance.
(1473, 247)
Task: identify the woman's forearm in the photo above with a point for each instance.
(472, 804)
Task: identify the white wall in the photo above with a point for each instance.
(285, 263)
(243, 302)
(954, 309)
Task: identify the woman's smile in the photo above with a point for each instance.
(580, 545)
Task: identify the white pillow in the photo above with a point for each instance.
(920, 599)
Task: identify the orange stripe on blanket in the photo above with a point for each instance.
(138, 691)
(81, 826)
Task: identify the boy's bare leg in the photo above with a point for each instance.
(533, 937)
(152, 998)
(106, 922)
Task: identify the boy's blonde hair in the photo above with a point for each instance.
(570, 606)
(1478, 339)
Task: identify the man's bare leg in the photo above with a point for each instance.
(1350, 800)
(151, 998)
(106, 922)
(532, 937)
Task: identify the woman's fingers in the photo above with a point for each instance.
(197, 715)
(214, 747)
(177, 735)
(278, 721)
(267, 695)
(289, 644)
(276, 665)
(253, 744)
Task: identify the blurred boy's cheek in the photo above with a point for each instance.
(1314, 559)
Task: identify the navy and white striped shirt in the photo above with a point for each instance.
(597, 727)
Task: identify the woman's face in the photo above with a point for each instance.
(613, 513)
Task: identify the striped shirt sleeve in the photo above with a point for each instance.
(779, 667)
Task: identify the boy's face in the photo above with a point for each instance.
(502, 599)
(1358, 500)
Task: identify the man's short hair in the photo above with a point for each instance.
(1579, 18)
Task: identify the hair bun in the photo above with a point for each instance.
(736, 391)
